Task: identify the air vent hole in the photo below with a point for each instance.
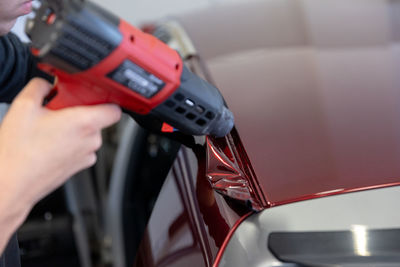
(200, 109)
(170, 103)
(190, 116)
(201, 122)
(210, 115)
(180, 110)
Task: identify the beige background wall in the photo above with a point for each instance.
(141, 11)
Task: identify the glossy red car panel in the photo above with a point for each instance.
(323, 130)
(314, 88)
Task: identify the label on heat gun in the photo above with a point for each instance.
(137, 79)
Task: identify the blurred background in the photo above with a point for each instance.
(139, 12)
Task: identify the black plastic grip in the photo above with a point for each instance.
(196, 108)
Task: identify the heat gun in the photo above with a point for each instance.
(99, 58)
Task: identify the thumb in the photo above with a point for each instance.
(36, 90)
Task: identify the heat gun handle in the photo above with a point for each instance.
(59, 98)
(69, 93)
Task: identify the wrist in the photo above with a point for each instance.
(13, 206)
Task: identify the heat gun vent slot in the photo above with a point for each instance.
(201, 122)
(210, 115)
(180, 110)
(200, 109)
(71, 57)
(170, 103)
(80, 48)
(190, 116)
(87, 37)
(83, 49)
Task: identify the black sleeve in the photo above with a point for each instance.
(10, 257)
(17, 67)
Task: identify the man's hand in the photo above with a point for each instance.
(41, 148)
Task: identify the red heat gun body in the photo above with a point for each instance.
(99, 58)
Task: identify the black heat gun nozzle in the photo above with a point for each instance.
(196, 108)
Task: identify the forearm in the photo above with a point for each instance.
(13, 209)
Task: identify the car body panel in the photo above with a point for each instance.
(314, 89)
